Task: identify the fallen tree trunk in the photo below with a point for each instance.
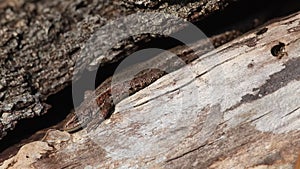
(235, 107)
(42, 39)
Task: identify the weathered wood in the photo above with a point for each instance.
(40, 41)
(235, 107)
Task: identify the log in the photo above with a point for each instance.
(235, 107)
(41, 41)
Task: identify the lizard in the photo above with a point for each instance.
(99, 104)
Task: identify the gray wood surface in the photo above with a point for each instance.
(40, 41)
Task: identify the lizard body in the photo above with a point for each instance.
(99, 104)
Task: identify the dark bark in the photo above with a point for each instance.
(40, 41)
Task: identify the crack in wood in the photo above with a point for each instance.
(261, 116)
(293, 111)
(213, 119)
(187, 83)
(188, 152)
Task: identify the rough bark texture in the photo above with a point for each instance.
(40, 41)
(235, 107)
(189, 9)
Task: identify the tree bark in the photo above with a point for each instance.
(235, 107)
(41, 40)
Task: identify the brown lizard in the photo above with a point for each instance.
(99, 104)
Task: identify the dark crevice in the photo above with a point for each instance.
(29, 130)
(161, 43)
(262, 31)
(246, 15)
(108, 70)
